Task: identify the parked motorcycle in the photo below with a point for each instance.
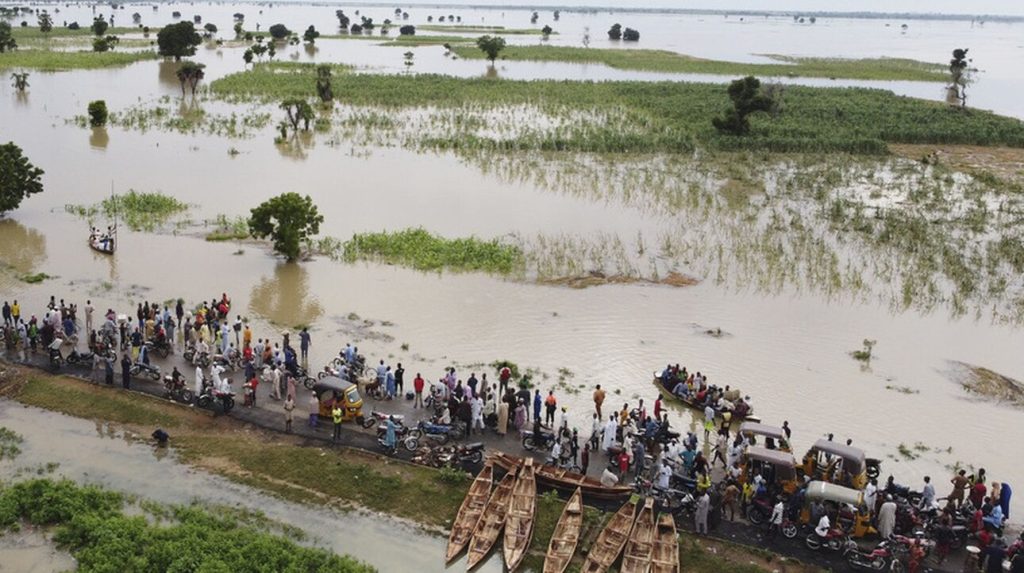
(389, 449)
(376, 417)
(543, 441)
(426, 430)
(462, 456)
(878, 558)
(161, 347)
(210, 397)
(140, 369)
(203, 360)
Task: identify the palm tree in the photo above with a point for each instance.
(20, 80)
(190, 72)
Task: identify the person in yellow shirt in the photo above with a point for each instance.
(246, 337)
(336, 416)
(15, 312)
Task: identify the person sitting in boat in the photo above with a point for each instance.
(723, 405)
(666, 376)
(741, 409)
(681, 390)
(608, 478)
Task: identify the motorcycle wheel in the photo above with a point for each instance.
(878, 564)
(308, 382)
(528, 444)
(164, 351)
(835, 544)
(896, 566)
(229, 403)
(444, 439)
(415, 433)
(153, 375)
(789, 531)
(185, 396)
(318, 376)
(411, 444)
(475, 458)
(370, 422)
(204, 401)
(755, 515)
(812, 542)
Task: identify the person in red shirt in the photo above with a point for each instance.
(657, 408)
(417, 385)
(503, 378)
(250, 390)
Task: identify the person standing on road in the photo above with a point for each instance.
(927, 493)
(237, 327)
(417, 386)
(598, 401)
(550, 406)
(503, 378)
(477, 412)
(314, 410)
(730, 500)
(700, 516)
(775, 521)
(108, 366)
(536, 404)
(88, 316)
(126, 371)
(399, 380)
(289, 406)
(336, 418)
(887, 518)
(709, 421)
(304, 342)
(275, 383)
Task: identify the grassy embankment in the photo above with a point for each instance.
(282, 466)
(651, 117)
(53, 61)
(471, 29)
(673, 62)
(93, 524)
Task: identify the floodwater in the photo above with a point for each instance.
(788, 350)
(94, 453)
(30, 551)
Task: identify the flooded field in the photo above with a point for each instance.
(794, 296)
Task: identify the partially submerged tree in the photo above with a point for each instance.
(323, 83)
(105, 44)
(7, 41)
(289, 220)
(18, 177)
(310, 35)
(190, 73)
(99, 26)
(97, 111)
(298, 110)
(210, 28)
(45, 22)
(630, 35)
(747, 98)
(958, 72)
(491, 46)
(407, 30)
(343, 20)
(546, 31)
(178, 40)
(615, 32)
(279, 32)
(20, 80)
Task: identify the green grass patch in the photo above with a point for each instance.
(139, 210)
(47, 60)
(429, 40)
(419, 249)
(33, 33)
(35, 278)
(92, 524)
(9, 443)
(95, 403)
(673, 62)
(648, 117)
(492, 30)
(225, 229)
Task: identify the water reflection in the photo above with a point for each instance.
(21, 98)
(297, 146)
(23, 248)
(99, 138)
(168, 73)
(285, 299)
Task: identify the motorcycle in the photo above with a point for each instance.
(376, 417)
(435, 432)
(834, 540)
(209, 397)
(177, 391)
(139, 369)
(544, 441)
(461, 456)
(161, 347)
(759, 510)
(878, 558)
(203, 360)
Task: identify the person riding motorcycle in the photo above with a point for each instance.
(824, 526)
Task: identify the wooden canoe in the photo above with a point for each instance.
(519, 520)
(636, 558)
(666, 546)
(610, 541)
(566, 535)
(565, 480)
(491, 522)
(672, 398)
(470, 511)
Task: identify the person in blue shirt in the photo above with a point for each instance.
(536, 404)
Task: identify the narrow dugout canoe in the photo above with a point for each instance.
(666, 546)
(636, 558)
(611, 540)
(566, 536)
(470, 511)
(519, 520)
(491, 522)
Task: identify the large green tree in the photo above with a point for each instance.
(747, 98)
(289, 220)
(18, 177)
(491, 45)
(7, 41)
(178, 40)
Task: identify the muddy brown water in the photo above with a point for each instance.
(94, 453)
(789, 351)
